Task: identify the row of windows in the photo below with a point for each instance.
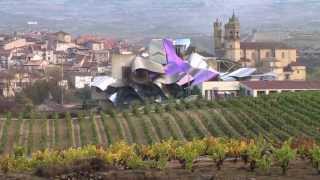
(261, 93)
(268, 55)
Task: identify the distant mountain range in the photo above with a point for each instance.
(156, 18)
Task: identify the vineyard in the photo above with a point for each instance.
(259, 156)
(277, 118)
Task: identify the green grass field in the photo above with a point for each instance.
(277, 118)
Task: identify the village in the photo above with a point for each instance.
(94, 70)
(161, 90)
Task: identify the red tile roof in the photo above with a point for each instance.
(312, 85)
(264, 45)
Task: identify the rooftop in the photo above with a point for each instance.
(62, 32)
(312, 85)
(264, 45)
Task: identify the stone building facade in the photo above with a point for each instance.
(275, 57)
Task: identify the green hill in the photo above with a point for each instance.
(276, 117)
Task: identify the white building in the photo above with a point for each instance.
(82, 81)
(259, 88)
(214, 89)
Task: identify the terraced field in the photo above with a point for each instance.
(277, 117)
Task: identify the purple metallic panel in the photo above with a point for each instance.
(175, 63)
(203, 75)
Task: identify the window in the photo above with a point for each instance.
(206, 92)
(287, 77)
(298, 72)
(273, 92)
(267, 54)
(126, 73)
(261, 93)
(283, 55)
(253, 55)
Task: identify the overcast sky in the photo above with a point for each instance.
(147, 16)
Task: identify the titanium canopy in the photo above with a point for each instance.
(156, 52)
(185, 42)
(239, 73)
(166, 72)
(197, 61)
(145, 64)
(102, 82)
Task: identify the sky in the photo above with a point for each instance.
(129, 18)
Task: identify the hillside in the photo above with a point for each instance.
(151, 18)
(277, 118)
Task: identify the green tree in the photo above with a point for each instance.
(38, 92)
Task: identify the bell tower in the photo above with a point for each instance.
(217, 35)
(232, 39)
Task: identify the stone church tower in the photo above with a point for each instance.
(232, 39)
(228, 42)
(217, 35)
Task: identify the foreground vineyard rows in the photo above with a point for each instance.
(257, 156)
(277, 118)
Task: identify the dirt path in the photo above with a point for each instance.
(124, 125)
(51, 137)
(73, 137)
(97, 129)
(22, 132)
(76, 133)
(120, 131)
(37, 131)
(1, 128)
(25, 137)
(49, 140)
(101, 132)
(11, 137)
(86, 131)
(62, 133)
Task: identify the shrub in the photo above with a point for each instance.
(217, 153)
(284, 155)
(264, 163)
(315, 157)
(190, 151)
(147, 109)
(158, 109)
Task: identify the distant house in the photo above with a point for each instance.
(215, 89)
(12, 83)
(81, 80)
(63, 46)
(259, 88)
(94, 45)
(102, 56)
(16, 43)
(39, 65)
(63, 37)
(5, 57)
